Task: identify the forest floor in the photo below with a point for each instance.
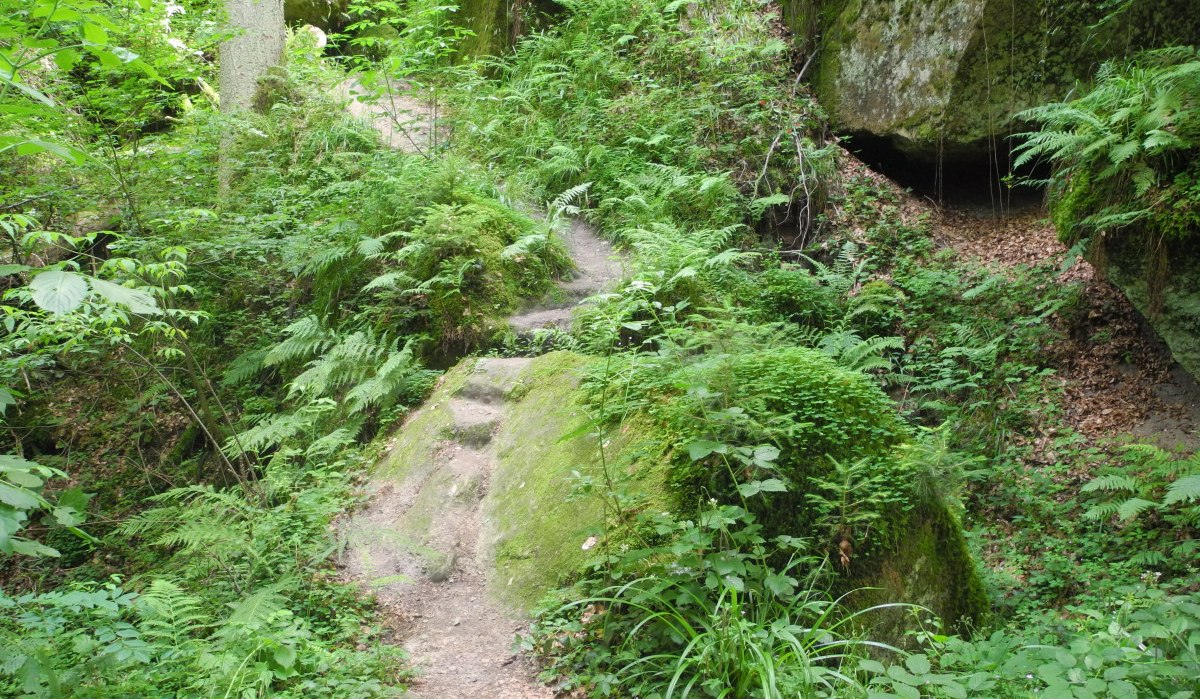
(434, 592)
(1118, 378)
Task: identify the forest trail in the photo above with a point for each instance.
(403, 121)
(419, 543)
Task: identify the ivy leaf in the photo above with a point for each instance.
(57, 291)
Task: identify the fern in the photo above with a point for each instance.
(305, 338)
(1111, 483)
(1185, 490)
(171, 616)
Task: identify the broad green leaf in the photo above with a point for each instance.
(24, 479)
(872, 666)
(19, 498)
(9, 270)
(284, 656)
(917, 664)
(33, 146)
(780, 585)
(58, 292)
(137, 301)
(33, 548)
(702, 448)
(771, 485)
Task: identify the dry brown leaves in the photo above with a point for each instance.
(1110, 367)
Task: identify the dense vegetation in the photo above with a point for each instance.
(210, 319)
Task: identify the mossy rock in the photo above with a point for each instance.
(329, 15)
(926, 565)
(539, 513)
(496, 25)
(944, 78)
(1173, 310)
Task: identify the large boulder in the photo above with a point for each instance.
(943, 78)
(1171, 303)
(504, 441)
(497, 24)
(328, 15)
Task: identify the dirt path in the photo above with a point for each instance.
(404, 122)
(418, 543)
(597, 267)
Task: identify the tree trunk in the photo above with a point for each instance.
(256, 46)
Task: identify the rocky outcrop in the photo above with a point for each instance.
(1171, 303)
(944, 77)
(497, 24)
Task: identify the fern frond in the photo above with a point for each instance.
(169, 614)
(1133, 507)
(1183, 490)
(1111, 483)
(306, 337)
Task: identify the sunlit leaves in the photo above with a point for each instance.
(58, 291)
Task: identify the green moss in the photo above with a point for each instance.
(926, 564)
(417, 440)
(967, 66)
(1177, 320)
(545, 449)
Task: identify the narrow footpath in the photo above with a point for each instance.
(418, 544)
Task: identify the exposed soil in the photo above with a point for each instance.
(597, 267)
(402, 120)
(428, 564)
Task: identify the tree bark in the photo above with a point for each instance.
(256, 46)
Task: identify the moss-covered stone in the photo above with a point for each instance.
(945, 76)
(534, 525)
(927, 564)
(497, 24)
(1175, 314)
(326, 14)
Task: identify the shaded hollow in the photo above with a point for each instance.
(981, 179)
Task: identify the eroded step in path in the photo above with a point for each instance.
(598, 267)
(418, 545)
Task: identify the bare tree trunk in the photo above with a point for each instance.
(256, 46)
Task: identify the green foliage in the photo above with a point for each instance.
(1154, 498)
(676, 117)
(21, 495)
(1124, 155)
(230, 621)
